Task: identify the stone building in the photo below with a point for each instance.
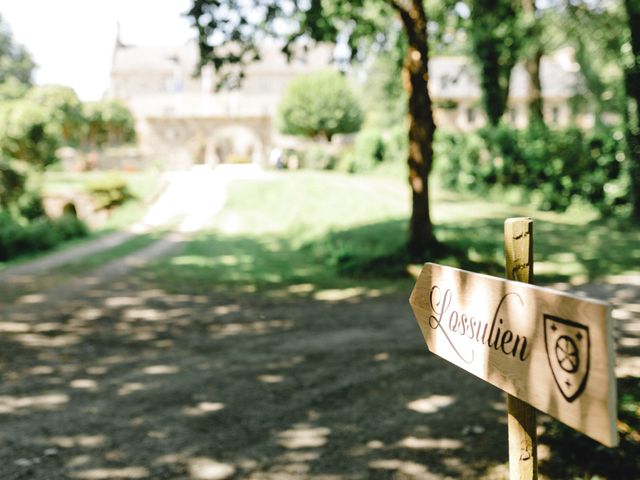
(181, 120)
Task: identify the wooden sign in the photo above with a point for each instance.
(547, 348)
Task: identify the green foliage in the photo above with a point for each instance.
(319, 104)
(448, 27)
(368, 151)
(28, 134)
(396, 144)
(20, 238)
(383, 96)
(109, 191)
(554, 168)
(30, 206)
(373, 147)
(596, 33)
(12, 182)
(15, 61)
(230, 42)
(12, 89)
(63, 109)
(495, 42)
(108, 123)
(317, 158)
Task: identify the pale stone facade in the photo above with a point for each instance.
(182, 120)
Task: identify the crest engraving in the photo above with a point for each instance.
(567, 344)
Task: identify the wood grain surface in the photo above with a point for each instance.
(550, 349)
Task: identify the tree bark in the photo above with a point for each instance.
(421, 125)
(632, 113)
(494, 45)
(532, 63)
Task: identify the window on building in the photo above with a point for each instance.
(513, 115)
(471, 115)
(555, 114)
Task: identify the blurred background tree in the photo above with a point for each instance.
(494, 36)
(16, 65)
(320, 104)
(63, 109)
(107, 122)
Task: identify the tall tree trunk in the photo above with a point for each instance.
(421, 124)
(494, 41)
(532, 65)
(532, 62)
(632, 113)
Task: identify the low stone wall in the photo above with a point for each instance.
(55, 205)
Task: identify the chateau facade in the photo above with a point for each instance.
(181, 120)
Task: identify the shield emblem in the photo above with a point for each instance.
(567, 343)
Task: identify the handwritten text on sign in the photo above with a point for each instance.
(550, 349)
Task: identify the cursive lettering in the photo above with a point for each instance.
(495, 335)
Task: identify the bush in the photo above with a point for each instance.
(368, 152)
(108, 122)
(40, 234)
(109, 191)
(373, 147)
(30, 206)
(397, 144)
(12, 182)
(318, 158)
(321, 104)
(553, 167)
(69, 227)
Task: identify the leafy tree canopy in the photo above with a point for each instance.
(64, 109)
(107, 122)
(320, 104)
(230, 31)
(15, 60)
(28, 134)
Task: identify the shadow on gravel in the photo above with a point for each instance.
(165, 375)
(133, 382)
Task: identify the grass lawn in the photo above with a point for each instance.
(318, 232)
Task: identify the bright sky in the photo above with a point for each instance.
(72, 40)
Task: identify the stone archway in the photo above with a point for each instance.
(236, 144)
(181, 142)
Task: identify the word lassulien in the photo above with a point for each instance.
(492, 335)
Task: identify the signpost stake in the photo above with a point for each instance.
(523, 455)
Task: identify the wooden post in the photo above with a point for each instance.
(523, 443)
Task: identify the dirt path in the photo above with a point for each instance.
(189, 203)
(112, 377)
